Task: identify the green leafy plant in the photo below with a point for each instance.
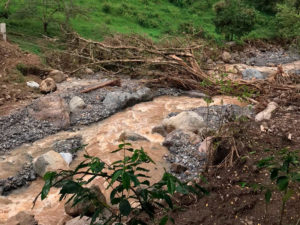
(129, 182)
(284, 169)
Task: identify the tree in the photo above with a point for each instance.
(234, 18)
(50, 11)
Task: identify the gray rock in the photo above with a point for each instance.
(294, 72)
(22, 178)
(50, 161)
(194, 94)
(76, 104)
(249, 74)
(69, 145)
(187, 120)
(120, 99)
(130, 136)
(53, 109)
(160, 130)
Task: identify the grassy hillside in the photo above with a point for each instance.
(155, 18)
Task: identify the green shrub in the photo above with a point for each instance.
(288, 18)
(129, 182)
(234, 18)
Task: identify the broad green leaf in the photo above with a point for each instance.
(126, 180)
(268, 195)
(46, 189)
(124, 207)
(171, 186)
(282, 182)
(49, 175)
(142, 169)
(70, 187)
(114, 177)
(168, 200)
(163, 220)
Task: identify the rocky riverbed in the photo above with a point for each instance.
(170, 124)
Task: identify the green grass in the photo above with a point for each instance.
(153, 18)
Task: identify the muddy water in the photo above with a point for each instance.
(102, 138)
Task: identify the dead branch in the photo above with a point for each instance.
(108, 83)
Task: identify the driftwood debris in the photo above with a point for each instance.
(116, 82)
(165, 64)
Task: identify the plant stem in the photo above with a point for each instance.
(282, 207)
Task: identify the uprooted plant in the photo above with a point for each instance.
(131, 190)
(284, 170)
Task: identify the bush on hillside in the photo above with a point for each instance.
(234, 18)
(288, 18)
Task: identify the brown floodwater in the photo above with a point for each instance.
(102, 138)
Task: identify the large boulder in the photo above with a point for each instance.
(53, 109)
(85, 207)
(187, 121)
(249, 74)
(120, 99)
(22, 218)
(50, 161)
(57, 75)
(76, 104)
(48, 85)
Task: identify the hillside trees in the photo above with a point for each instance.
(50, 11)
(234, 18)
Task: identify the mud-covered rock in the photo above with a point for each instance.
(187, 120)
(22, 218)
(51, 108)
(58, 76)
(50, 161)
(48, 85)
(85, 207)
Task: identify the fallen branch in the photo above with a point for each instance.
(108, 83)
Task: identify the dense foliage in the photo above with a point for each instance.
(234, 18)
